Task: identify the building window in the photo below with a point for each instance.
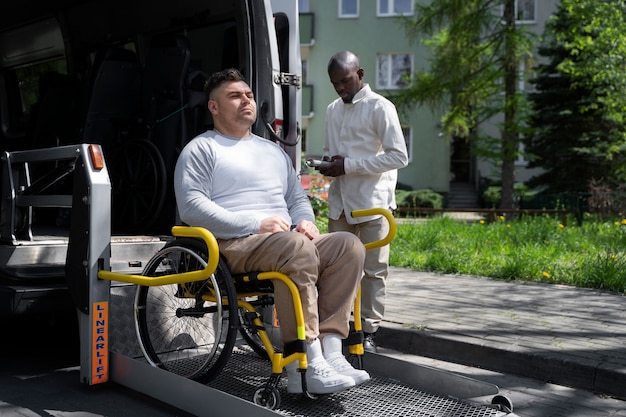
(303, 6)
(394, 7)
(525, 11)
(348, 8)
(393, 70)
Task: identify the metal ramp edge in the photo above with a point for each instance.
(182, 393)
(437, 381)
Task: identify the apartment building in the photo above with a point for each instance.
(370, 28)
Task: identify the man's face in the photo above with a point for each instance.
(347, 82)
(233, 103)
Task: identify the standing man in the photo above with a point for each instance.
(244, 189)
(365, 145)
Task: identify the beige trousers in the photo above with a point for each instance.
(327, 271)
(375, 271)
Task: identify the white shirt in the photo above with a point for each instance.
(368, 134)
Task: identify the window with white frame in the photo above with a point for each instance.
(393, 70)
(394, 7)
(525, 11)
(348, 8)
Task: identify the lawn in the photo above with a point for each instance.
(534, 248)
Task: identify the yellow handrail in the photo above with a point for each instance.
(390, 219)
(199, 275)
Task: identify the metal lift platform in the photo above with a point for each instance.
(397, 388)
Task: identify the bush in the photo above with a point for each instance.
(319, 205)
(419, 198)
(492, 195)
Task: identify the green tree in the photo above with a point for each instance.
(596, 59)
(571, 133)
(596, 48)
(476, 52)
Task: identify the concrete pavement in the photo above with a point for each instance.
(569, 336)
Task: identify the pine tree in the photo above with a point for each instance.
(570, 134)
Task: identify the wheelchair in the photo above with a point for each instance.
(191, 328)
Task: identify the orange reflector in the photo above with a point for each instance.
(97, 160)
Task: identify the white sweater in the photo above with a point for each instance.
(228, 185)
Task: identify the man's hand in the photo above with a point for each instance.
(335, 169)
(273, 224)
(308, 228)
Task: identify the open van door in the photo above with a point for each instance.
(286, 23)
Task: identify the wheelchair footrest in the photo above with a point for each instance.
(354, 338)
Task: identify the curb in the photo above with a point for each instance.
(594, 376)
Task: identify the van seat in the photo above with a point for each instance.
(166, 68)
(114, 96)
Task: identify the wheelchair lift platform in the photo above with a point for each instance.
(397, 388)
(109, 350)
(231, 392)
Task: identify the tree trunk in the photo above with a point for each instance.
(509, 134)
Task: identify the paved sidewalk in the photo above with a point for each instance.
(569, 336)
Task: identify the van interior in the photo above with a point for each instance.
(127, 75)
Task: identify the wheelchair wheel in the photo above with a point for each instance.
(267, 397)
(186, 328)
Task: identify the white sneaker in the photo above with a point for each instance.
(333, 354)
(342, 366)
(321, 378)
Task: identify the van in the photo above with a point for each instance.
(128, 76)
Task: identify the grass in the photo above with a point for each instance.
(529, 249)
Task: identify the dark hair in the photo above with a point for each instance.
(220, 78)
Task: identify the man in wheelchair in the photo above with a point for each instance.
(243, 188)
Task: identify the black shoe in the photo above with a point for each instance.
(369, 345)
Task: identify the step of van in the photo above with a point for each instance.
(32, 275)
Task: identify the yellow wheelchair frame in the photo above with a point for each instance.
(189, 285)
